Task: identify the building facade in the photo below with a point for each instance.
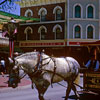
(63, 25)
(83, 21)
(49, 32)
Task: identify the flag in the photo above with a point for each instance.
(15, 31)
(4, 33)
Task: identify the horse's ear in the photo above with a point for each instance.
(43, 50)
(34, 50)
(10, 60)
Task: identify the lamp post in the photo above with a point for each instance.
(10, 32)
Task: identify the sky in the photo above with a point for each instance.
(15, 9)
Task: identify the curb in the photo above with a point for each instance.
(9, 89)
(25, 83)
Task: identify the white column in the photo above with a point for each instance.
(99, 19)
(67, 22)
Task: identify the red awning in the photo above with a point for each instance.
(96, 43)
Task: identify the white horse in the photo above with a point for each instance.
(44, 70)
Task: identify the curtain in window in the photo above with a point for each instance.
(77, 12)
(77, 31)
(43, 16)
(58, 14)
(90, 12)
(90, 32)
(43, 34)
(58, 33)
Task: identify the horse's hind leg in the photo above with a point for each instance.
(68, 90)
(75, 90)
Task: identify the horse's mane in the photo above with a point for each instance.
(28, 55)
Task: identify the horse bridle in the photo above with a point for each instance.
(17, 71)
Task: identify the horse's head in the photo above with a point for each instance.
(16, 73)
(20, 66)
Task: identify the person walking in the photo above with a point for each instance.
(2, 64)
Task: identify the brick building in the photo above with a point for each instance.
(49, 32)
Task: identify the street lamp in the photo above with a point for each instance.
(10, 30)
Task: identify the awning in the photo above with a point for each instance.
(96, 43)
(5, 17)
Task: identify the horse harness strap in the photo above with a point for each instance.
(39, 65)
(54, 72)
(38, 68)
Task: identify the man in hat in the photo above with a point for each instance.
(93, 63)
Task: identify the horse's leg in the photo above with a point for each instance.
(75, 90)
(41, 90)
(68, 90)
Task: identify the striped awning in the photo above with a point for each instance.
(5, 17)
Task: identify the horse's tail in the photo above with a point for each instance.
(77, 80)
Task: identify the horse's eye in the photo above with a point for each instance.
(16, 62)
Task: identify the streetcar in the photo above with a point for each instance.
(91, 79)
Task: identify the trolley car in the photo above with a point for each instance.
(91, 79)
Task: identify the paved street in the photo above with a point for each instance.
(55, 93)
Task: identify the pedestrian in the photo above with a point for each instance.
(93, 62)
(1, 71)
(2, 63)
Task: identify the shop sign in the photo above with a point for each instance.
(41, 44)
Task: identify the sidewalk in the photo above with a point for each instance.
(4, 85)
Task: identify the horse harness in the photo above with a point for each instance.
(38, 67)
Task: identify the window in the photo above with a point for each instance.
(77, 11)
(58, 14)
(77, 32)
(28, 31)
(42, 13)
(58, 11)
(58, 33)
(29, 34)
(28, 13)
(43, 34)
(90, 12)
(57, 29)
(42, 30)
(90, 32)
(43, 16)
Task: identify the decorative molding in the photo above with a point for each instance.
(29, 3)
(57, 7)
(93, 11)
(27, 11)
(42, 27)
(77, 4)
(28, 28)
(42, 9)
(57, 26)
(93, 30)
(74, 31)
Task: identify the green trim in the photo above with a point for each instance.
(23, 19)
